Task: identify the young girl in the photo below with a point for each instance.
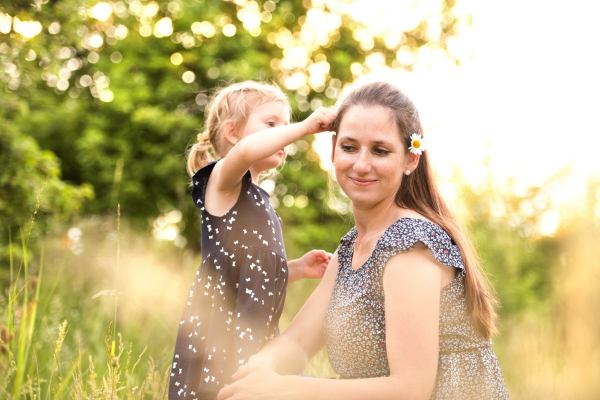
(238, 294)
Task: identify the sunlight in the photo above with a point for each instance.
(28, 29)
(101, 11)
(502, 93)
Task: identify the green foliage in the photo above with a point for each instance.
(506, 226)
(131, 150)
(25, 170)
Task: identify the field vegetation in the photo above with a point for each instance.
(99, 239)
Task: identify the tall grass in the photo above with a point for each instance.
(23, 376)
(59, 339)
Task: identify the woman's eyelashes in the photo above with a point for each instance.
(377, 150)
(381, 152)
(271, 124)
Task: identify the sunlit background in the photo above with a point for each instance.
(524, 98)
(100, 99)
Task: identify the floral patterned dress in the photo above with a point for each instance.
(355, 319)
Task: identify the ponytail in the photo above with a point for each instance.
(199, 154)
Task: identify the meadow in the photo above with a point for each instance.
(99, 239)
(92, 310)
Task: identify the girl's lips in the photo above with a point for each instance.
(362, 182)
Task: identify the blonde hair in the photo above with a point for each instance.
(232, 103)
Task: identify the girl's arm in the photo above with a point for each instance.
(312, 265)
(263, 144)
(412, 282)
(225, 182)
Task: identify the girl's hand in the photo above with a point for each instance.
(312, 265)
(254, 383)
(319, 121)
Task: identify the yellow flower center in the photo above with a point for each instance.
(416, 144)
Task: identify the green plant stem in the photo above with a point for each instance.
(117, 277)
(21, 362)
(34, 309)
(10, 313)
(65, 381)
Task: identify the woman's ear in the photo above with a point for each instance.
(230, 133)
(413, 161)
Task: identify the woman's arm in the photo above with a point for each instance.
(290, 352)
(412, 282)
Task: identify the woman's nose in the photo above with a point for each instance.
(362, 164)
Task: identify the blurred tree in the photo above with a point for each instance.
(117, 90)
(508, 228)
(26, 169)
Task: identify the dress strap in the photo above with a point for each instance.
(200, 181)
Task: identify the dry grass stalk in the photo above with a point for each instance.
(139, 358)
(61, 337)
(62, 333)
(92, 380)
(143, 388)
(29, 386)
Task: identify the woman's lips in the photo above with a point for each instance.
(362, 182)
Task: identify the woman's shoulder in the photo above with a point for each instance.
(406, 232)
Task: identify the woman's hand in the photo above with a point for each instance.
(319, 121)
(312, 265)
(255, 383)
(260, 360)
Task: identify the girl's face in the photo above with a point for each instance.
(369, 157)
(264, 116)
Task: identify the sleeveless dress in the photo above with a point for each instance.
(354, 323)
(237, 296)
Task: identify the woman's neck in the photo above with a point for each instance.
(375, 219)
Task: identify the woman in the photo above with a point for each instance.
(403, 304)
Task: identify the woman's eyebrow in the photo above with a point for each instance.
(381, 142)
(375, 142)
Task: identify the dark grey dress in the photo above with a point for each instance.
(355, 319)
(237, 296)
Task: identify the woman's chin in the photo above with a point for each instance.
(362, 200)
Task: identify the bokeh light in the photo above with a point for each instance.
(101, 11)
(164, 27)
(229, 30)
(28, 29)
(188, 77)
(176, 58)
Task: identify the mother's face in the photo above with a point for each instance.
(370, 159)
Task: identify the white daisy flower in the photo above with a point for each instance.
(417, 144)
(339, 102)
